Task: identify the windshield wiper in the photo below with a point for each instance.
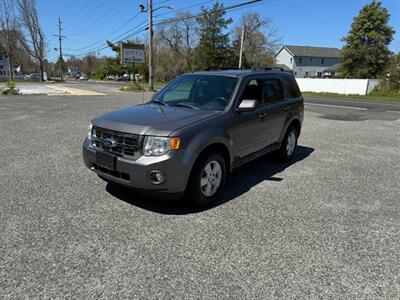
(184, 105)
(159, 102)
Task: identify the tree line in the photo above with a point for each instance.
(366, 51)
(22, 40)
(211, 40)
(190, 44)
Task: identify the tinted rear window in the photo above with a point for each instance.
(273, 90)
(294, 91)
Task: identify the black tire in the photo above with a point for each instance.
(284, 155)
(194, 192)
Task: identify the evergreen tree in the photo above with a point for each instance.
(366, 52)
(214, 49)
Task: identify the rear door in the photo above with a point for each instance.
(277, 109)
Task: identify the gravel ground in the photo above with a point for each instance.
(327, 225)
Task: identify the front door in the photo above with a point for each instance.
(247, 128)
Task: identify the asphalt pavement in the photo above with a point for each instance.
(326, 225)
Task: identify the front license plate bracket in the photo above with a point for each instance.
(106, 160)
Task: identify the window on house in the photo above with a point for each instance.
(322, 61)
(310, 58)
(291, 60)
(300, 60)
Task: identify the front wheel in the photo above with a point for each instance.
(207, 180)
(289, 144)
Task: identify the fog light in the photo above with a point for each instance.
(157, 177)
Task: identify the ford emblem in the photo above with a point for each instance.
(109, 143)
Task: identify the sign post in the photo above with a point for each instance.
(132, 54)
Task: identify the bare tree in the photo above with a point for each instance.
(260, 40)
(190, 36)
(8, 27)
(175, 42)
(35, 44)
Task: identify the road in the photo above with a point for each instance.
(326, 225)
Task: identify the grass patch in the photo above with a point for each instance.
(371, 98)
(135, 86)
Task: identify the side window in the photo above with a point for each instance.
(253, 91)
(294, 91)
(273, 90)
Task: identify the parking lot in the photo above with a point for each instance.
(325, 225)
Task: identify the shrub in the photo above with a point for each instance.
(10, 89)
(100, 74)
(133, 86)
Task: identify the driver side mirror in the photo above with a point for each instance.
(247, 105)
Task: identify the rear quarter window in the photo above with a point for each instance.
(293, 88)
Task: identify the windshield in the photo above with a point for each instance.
(210, 92)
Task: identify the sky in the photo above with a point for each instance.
(88, 23)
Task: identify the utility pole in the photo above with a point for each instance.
(60, 37)
(241, 48)
(150, 12)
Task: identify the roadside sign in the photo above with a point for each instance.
(132, 54)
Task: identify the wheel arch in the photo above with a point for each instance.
(294, 122)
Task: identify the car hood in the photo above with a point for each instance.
(151, 119)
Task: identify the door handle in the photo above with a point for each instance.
(262, 115)
(287, 108)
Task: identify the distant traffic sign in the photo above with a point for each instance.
(133, 54)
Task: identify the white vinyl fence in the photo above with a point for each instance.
(337, 86)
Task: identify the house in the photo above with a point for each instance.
(73, 72)
(307, 61)
(4, 68)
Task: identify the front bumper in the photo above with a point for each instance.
(176, 165)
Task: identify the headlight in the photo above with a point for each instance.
(90, 130)
(157, 145)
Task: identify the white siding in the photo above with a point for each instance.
(284, 58)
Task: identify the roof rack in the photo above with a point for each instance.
(272, 68)
(220, 69)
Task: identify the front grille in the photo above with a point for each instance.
(127, 144)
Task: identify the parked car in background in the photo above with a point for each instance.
(33, 76)
(83, 78)
(111, 77)
(196, 130)
(125, 77)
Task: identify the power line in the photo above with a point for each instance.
(116, 30)
(76, 13)
(121, 36)
(228, 8)
(110, 13)
(115, 42)
(85, 20)
(171, 20)
(183, 9)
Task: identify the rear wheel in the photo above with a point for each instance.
(289, 144)
(207, 180)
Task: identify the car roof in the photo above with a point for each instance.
(244, 73)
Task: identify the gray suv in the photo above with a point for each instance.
(196, 130)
